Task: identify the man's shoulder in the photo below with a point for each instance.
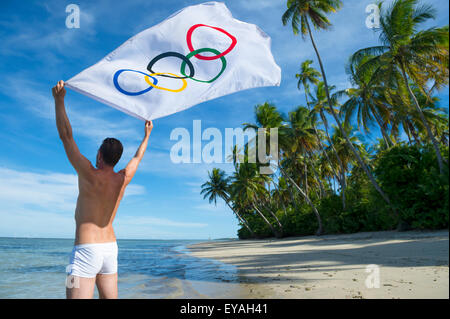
(89, 174)
(120, 175)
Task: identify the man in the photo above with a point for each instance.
(94, 257)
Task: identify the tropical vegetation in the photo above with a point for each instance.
(329, 176)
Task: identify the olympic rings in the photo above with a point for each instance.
(175, 54)
(190, 55)
(116, 83)
(185, 61)
(201, 57)
(165, 89)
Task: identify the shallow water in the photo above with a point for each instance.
(35, 268)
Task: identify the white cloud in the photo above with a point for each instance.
(93, 124)
(221, 209)
(159, 162)
(154, 221)
(20, 222)
(30, 223)
(46, 37)
(52, 192)
(43, 204)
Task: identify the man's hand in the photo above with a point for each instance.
(59, 91)
(148, 127)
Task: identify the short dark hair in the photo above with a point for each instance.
(111, 150)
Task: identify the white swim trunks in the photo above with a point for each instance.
(88, 260)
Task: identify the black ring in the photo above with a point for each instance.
(175, 54)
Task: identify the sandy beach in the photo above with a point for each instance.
(410, 265)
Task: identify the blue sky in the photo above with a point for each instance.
(38, 186)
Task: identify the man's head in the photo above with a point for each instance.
(109, 152)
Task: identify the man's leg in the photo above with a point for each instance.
(107, 286)
(80, 287)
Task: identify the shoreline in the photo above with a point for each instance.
(411, 264)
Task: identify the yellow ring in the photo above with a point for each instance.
(147, 79)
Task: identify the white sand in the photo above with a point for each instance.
(411, 265)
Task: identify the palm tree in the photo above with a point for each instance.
(319, 105)
(367, 100)
(435, 116)
(418, 56)
(281, 193)
(401, 117)
(299, 12)
(309, 75)
(217, 186)
(264, 196)
(267, 117)
(296, 139)
(312, 160)
(246, 188)
(303, 140)
(340, 144)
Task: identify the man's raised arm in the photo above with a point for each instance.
(132, 166)
(78, 161)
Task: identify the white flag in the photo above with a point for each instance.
(197, 54)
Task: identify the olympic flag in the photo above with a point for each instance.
(197, 54)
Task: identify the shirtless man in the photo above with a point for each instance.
(94, 256)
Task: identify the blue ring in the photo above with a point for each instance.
(116, 83)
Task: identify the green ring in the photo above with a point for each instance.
(195, 52)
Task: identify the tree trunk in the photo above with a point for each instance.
(322, 149)
(409, 138)
(265, 219)
(278, 221)
(358, 157)
(243, 221)
(279, 193)
(424, 120)
(274, 216)
(382, 129)
(284, 208)
(322, 188)
(305, 168)
(341, 178)
(414, 134)
(310, 203)
(294, 203)
(327, 157)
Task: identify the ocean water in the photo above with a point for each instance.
(35, 268)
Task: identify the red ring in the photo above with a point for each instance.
(215, 57)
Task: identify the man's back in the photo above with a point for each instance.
(100, 193)
(93, 260)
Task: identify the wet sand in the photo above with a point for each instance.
(409, 264)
